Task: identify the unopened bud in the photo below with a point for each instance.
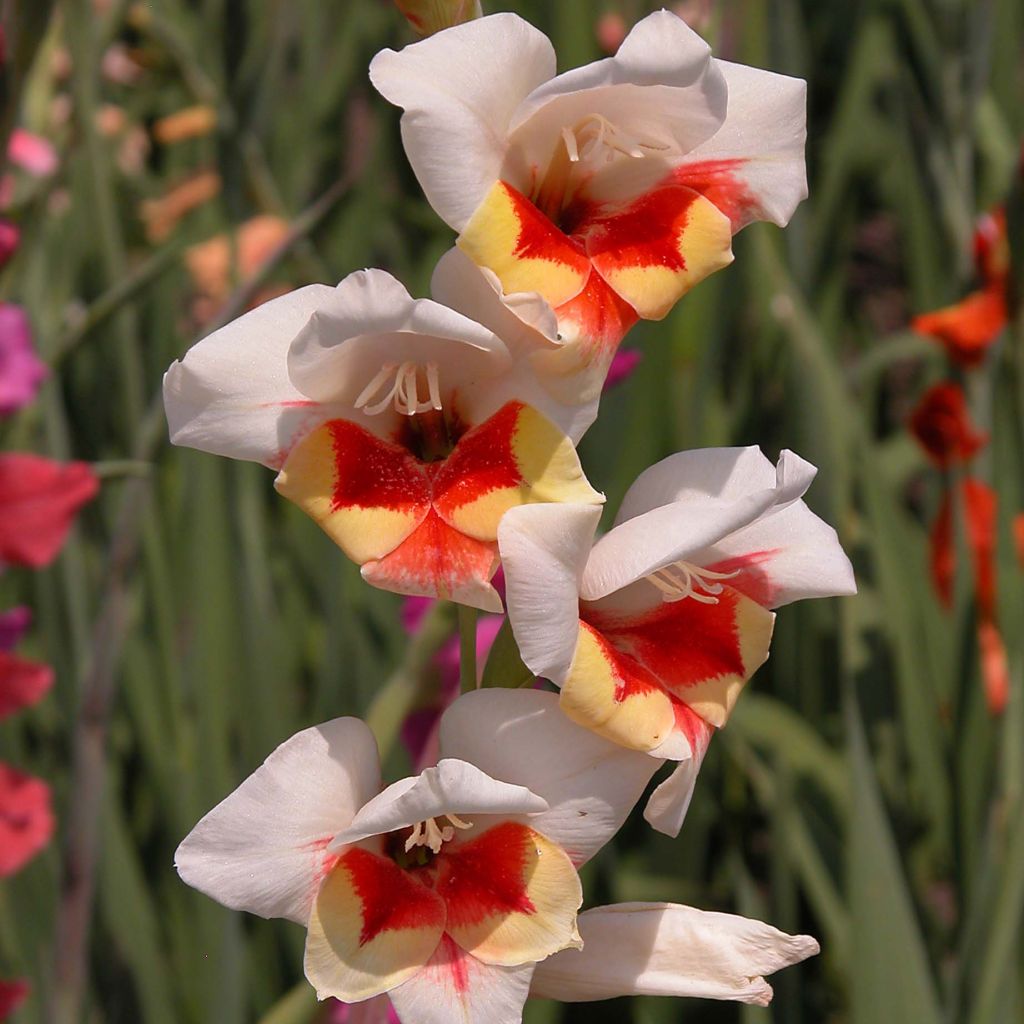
(430, 16)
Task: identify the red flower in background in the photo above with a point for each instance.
(978, 504)
(942, 425)
(12, 995)
(26, 821)
(968, 328)
(995, 672)
(22, 683)
(38, 502)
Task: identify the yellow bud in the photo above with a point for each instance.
(430, 16)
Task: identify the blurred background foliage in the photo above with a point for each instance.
(863, 791)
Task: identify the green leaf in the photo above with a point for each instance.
(505, 666)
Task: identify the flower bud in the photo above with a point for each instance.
(430, 16)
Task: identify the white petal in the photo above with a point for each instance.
(522, 736)
(451, 787)
(543, 549)
(264, 848)
(662, 85)
(793, 555)
(369, 321)
(459, 89)
(528, 326)
(667, 805)
(765, 129)
(687, 503)
(663, 949)
(456, 988)
(231, 394)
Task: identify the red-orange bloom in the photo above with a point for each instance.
(39, 499)
(942, 425)
(978, 507)
(26, 821)
(995, 673)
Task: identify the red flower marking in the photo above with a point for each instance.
(26, 821)
(540, 238)
(486, 877)
(482, 461)
(968, 329)
(942, 426)
(752, 581)
(38, 502)
(717, 181)
(978, 504)
(631, 678)
(680, 643)
(455, 960)
(435, 559)
(392, 899)
(22, 683)
(12, 995)
(371, 473)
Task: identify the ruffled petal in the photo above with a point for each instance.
(460, 89)
(231, 394)
(521, 736)
(544, 549)
(451, 787)
(512, 895)
(264, 848)
(753, 167)
(663, 949)
(372, 927)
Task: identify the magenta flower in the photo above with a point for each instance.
(21, 370)
(10, 236)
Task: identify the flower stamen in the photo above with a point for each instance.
(684, 579)
(428, 833)
(404, 392)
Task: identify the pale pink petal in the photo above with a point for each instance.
(21, 370)
(456, 988)
(522, 736)
(753, 166)
(663, 949)
(451, 787)
(32, 153)
(264, 848)
(544, 549)
(460, 89)
(231, 394)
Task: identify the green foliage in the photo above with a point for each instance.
(862, 793)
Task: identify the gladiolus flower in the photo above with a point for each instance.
(39, 499)
(22, 683)
(13, 624)
(26, 821)
(373, 1011)
(21, 370)
(443, 890)
(652, 632)
(968, 328)
(942, 426)
(12, 995)
(622, 367)
(31, 153)
(610, 190)
(403, 428)
(430, 16)
(161, 216)
(978, 507)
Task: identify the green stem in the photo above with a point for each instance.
(467, 648)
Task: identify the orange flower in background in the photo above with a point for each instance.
(161, 216)
(1018, 536)
(190, 123)
(942, 425)
(978, 506)
(968, 328)
(210, 263)
(995, 672)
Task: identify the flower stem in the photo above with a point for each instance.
(467, 648)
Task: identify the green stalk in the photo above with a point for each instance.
(467, 648)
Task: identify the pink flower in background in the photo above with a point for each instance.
(372, 1011)
(21, 370)
(10, 236)
(26, 820)
(13, 624)
(39, 499)
(12, 995)
(626, 360)
(22, 683)
(31, 153)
